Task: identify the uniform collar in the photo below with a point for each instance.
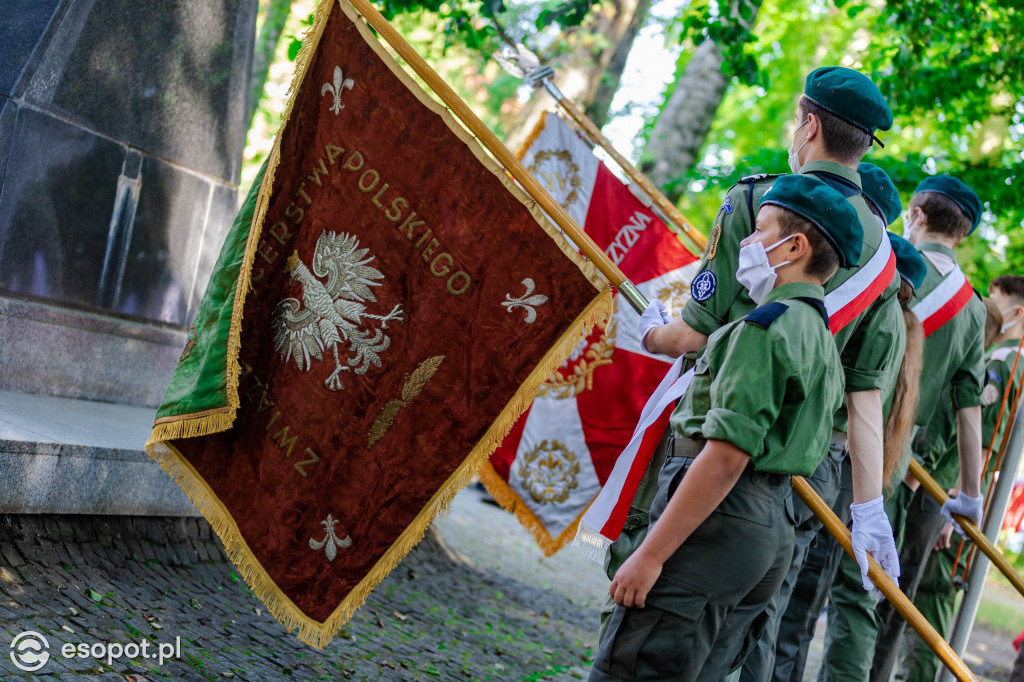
(795, 290)
(821, 166)
(937, 248)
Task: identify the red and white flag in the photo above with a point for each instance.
(559, 454)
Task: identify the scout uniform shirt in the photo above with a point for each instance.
(953, 362)
(768, 383)
(998, 369)
(870, 346)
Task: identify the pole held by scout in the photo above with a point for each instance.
(885, 584)
(522, 63)
(986, 546)
(617, 278)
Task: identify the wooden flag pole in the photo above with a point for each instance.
(617, 278)
(884, 583)
(983, 543)
(505, 157)
(699, 240)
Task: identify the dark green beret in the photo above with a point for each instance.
(962, 195)
(879, 190)
(850, 96)
(827, 209)
(909, 263)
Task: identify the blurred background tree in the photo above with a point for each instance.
(952, 71)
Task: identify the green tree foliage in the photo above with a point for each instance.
(953, 73)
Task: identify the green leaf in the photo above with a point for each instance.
(293, 49)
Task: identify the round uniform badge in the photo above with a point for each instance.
(990, 394)
(703, 286)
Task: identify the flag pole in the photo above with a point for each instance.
(659, 199)
(885, 584)
(612, 272)
(983, 543)
(506, 158)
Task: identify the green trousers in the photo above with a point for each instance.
(853, 618)
(936, 600)
(706, 610)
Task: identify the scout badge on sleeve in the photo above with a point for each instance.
(562, 450)
(350, 366)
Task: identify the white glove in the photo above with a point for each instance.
(655, 315)
(872, 534)
(971, 507)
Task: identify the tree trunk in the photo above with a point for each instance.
(685, 121)
(265, 48)
(585, 56)
(683, 125)
(597, 110)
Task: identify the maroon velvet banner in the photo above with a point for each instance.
(404, 304)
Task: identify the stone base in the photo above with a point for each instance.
(62, 456)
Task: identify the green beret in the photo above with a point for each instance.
(850, 96)
(962, 195)
(909, 263)
(880, 191)
(827, 209)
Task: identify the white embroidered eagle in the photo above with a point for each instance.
(333, 312)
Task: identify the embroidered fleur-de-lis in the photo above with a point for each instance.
(330, 543)
(340, 83)
(526, 301)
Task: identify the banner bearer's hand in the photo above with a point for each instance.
(944, 538)
(872, 535)
(634, 580)
(655, 316)
(971, 507)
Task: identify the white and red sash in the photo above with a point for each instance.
(852, 297)
(604, 519)
(944, 301)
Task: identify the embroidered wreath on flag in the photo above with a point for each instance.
(549, 472)
(576, 374)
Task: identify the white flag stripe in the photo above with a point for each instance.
(556, 137)
(627, 336)
(844, 294)
(940, 295)
(556, 516)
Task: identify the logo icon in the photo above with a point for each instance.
(30, 651)
(703, 286)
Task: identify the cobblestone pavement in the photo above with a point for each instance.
(474, 601)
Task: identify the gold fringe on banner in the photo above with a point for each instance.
(263, 586)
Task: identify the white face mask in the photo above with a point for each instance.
(794, 156)
(1005, 314)
(909, 223)
(755, 272)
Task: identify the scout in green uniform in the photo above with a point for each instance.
(936, 596)
(943, 211)
(796, 628)
(840, 111)
(852, 618)
(758, 410)
(870, 346)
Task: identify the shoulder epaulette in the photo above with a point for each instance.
(763, 316)
(751, 179)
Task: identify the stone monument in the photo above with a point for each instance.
(122, 125)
